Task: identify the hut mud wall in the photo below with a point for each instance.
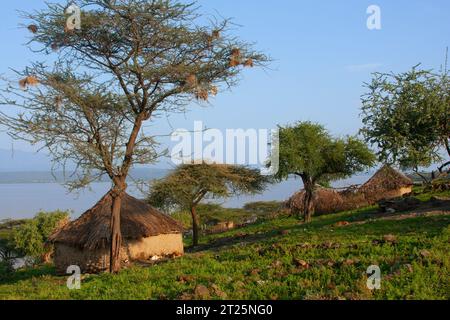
(162, 245)
(374, 195)
(96, 261)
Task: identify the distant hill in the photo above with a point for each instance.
(16, 160)
(29, 167)
(19, 177)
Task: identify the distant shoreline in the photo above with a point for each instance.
(59, 177)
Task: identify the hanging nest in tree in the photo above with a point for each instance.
(28, 81)
(215, 34)
(214, 91)
(235, 59)
(236, 52)
(191, 80)
(32, 28)
(202, 94)
(249, 63)
(32, 81)
(234, 62)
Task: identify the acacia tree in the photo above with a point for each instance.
(406, 117)
(131, 61)
(308, 151)
(190, 184)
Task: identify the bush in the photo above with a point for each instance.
(6, 269)
(30, 238)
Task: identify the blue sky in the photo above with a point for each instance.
(322, 51)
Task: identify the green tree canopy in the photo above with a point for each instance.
(308, 151)
(189, 184)
(29, 239)
(406, 117)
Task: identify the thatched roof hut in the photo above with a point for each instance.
(327, 201)
(146, 233)
(387, 183)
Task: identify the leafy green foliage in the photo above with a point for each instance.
(29, 239)
(406, 117)
(187, 186)
(310, 152)
(6, 269)
(8, 252)
(308, 149)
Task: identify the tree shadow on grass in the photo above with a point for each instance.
(241, 238)
(27, 274)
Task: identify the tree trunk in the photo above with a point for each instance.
(308, 201)
(116, 234)
(424, 179)
(309, 206)
(195, 226)
(442, 167)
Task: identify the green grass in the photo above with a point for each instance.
(211, 214)
(262, 262)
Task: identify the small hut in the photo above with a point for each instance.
(387, 183)
(327, 201)
(146, 233)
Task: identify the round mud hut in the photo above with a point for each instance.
(386, 184)
(146, 233)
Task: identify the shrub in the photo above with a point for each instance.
(6, 269)
(30, 238)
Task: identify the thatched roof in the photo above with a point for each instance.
(387, 178)
(138, 220)
(380, 186)
(325, 201)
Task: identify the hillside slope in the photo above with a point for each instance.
(281, 259)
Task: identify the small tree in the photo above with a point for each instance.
(308, 151)
(8, 252)
(130, 62)
(406, 117)
(188, 185)
(29, 239)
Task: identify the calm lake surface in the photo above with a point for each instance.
(19, 201)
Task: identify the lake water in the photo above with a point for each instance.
(25, 200)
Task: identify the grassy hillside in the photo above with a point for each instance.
(281, 259)
(211, 214)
